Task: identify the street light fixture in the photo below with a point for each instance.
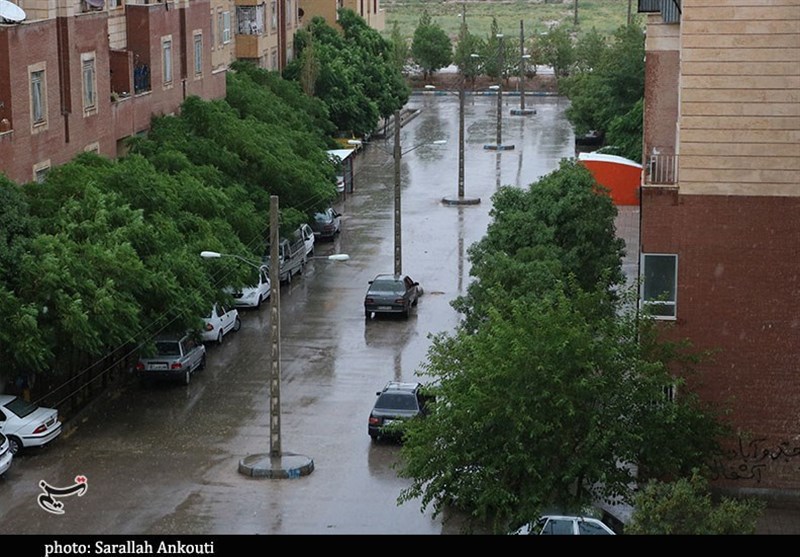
(499, 88)
(397, 154)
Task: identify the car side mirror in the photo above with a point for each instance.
(377, 393)
(337, 214)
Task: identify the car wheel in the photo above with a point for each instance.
(237, 324)
(202, 362)
(373, 437)
(258, 302)
(367, 313)
(14, 445)
(289, 278)
(219, 337)
(405, 314)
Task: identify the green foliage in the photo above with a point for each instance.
(401, 52)
(560, 226)
(431, 48)
(589, 50)
(556, 50)
(554, 384)
(356, 72)
(687, 507)
(467, 53)
(608, 96)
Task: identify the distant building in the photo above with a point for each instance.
(720, 218)
(369, 10)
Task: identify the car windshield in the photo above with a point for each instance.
(386, 285)
(396, 401)
(20, 407)
(322, 217)
(168, 348)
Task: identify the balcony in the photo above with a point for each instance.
(662, 170)
(670, 9)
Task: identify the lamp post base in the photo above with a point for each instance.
(461, 200)
(287, 465)
(495, 147)
(522, 111)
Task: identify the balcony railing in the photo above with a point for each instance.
(670, 9)
(662, 170)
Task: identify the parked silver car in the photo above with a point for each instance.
(5, 454)
(176, 357)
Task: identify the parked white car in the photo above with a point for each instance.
(6, 455)
(219, 322)
(252, 296)
(307, 234)
(558, 525)
(27, 425)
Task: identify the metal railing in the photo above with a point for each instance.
(662, 169)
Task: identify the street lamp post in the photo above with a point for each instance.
(499, 88)
(522, 111)
(276, 463)
(397, 154)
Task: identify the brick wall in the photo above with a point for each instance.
(739, 296)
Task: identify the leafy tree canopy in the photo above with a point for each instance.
(431, 48)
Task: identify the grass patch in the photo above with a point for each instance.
(537, 15)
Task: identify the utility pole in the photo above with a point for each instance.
(522, 111)
(274, 331)
(499, 87)
(398, 249)
(275, 464)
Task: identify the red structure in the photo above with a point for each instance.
(620, 175)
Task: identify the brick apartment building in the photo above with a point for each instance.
(720, 217)
(84, 75)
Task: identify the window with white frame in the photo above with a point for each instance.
(226, 27)
(89, 82)
(220, 26)
(273, 7)
(38, 90)
(198, 54)
(166, 60)
(659, 284)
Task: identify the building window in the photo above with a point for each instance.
(166, 60)
(40, 171)
(274, 56)
(38, 96)
(660, 284)
(198, 54)
(213, 35)
(250, 19)
(89, 83)
(274, 10)
(226, 27)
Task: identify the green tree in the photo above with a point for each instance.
(401, 52)
(557, 50)
(431, 48)
(565, 220)
(608, 97)
(589, 50)
(687, 507)
(551, 391)
(467, 54)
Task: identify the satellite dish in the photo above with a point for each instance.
(11, 12)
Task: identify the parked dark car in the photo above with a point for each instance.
(176, 357)
(396, 403)
(391, 294)
(327, 224)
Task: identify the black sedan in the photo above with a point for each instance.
(391, 294)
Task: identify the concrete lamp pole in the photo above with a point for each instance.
(397, 154)
(276, 463)
(499, 88)
(523, 58)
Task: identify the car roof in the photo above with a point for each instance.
(401, 386)
(388, 276)
(6, 398)
(568, 517)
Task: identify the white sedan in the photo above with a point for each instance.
(27, 425)
(252, 296)
(5, 454)
(219, 322)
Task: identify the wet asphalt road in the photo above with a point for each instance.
(164, 459)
